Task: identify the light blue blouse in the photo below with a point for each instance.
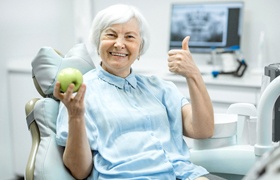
(134, 128)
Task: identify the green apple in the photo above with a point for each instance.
(69, 76)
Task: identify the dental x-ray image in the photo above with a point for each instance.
(206, 26)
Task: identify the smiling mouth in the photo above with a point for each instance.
(118, 54)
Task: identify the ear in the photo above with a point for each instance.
(141, 47)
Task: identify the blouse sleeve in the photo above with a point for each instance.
(62, 128)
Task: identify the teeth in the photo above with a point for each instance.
(118, 54)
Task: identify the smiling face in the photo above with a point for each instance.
(119, 47)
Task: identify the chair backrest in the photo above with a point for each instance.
(45, 158)
(45, 161)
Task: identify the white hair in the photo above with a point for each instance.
(118, 14)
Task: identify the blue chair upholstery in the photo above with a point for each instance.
(45, 158)
(46, 162)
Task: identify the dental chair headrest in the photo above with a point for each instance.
(48, 62)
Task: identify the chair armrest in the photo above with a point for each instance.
(34, 130)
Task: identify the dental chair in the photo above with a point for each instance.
(45, 158)
(230, 153)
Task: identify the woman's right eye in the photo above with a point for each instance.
(111, 35)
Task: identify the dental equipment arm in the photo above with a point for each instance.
(264, 122)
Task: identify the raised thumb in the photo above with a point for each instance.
(185, 43)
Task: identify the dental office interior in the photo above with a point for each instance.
(242, 91)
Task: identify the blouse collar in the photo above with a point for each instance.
(116, 80)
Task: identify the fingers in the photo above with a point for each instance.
(81, 93)
(172, 52)
(185, 43)
(68, 95)
(69, 92)
(56, 91)
(180, 60)
(185, 46)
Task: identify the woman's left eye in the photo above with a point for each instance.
(130, 36)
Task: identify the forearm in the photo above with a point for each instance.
(202, 109)
(77, 155)
(197, 119)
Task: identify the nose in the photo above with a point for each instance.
(119, 43)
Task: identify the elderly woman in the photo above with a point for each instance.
(121, 125)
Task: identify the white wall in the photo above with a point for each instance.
(26, 26)
(259, 16)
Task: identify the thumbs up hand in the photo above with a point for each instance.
(180, 60)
